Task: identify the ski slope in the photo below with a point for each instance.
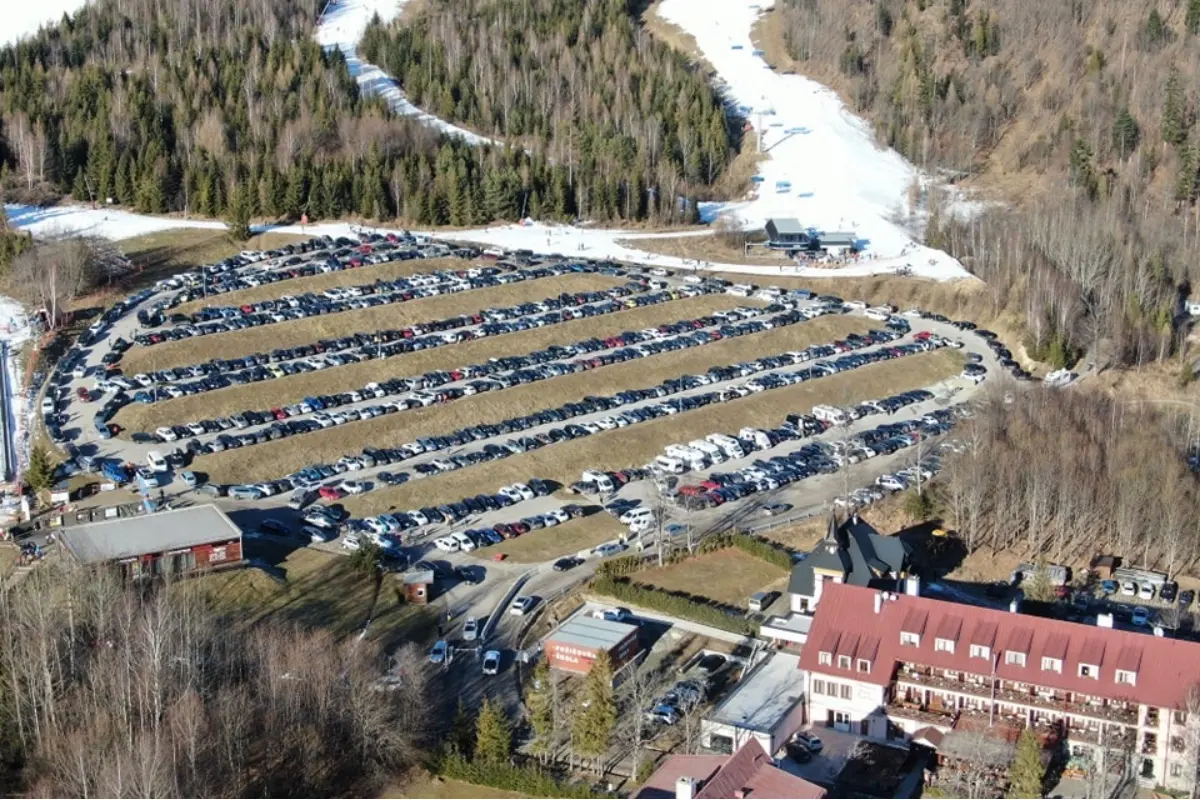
(839, 178)
(342, 25)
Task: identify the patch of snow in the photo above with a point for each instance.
(106, 223)
(822, 163)
(22, 20)
(343, 24)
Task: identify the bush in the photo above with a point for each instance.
(675, 605)
(762, 549)
(522, 780)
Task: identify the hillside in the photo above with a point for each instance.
(628, 125)
(230, 109)
(1081, 116)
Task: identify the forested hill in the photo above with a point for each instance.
(577, 81)
(228, 108)
(1082, 113)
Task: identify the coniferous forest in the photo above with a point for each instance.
(228, 108)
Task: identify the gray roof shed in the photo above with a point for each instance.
(165, 531)
(591, 633)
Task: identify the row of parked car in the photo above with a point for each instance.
(474, 538)
(431, 387)
(547, 416)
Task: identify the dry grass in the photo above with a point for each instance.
(306, 331)
(164, 253)
(727, 576)
(287, 455)
(636, 445)
(710, 248)
(319, 283)
(549, 543)
(433, 787)
(294, 388)
(317, 589)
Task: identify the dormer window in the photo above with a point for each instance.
(825, 658)
(843, 662)
(1051, 664)
(1014, 657)
(943, 645)
(910, 639)
(1125, 676)
(1089, 671)
(864, 665)
(980, 651)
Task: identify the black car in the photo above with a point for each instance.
(473, 576)
(564, 564)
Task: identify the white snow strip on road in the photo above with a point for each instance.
(343, 24)
(840, 179)
(23, 19)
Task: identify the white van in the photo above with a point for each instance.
(49, 406)
(155, 461)
(671, 466)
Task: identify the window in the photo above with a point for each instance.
(980, 651)
(818, 686)
(1181, 718)
(1051, 664)
(844, 691)
(1014, 657)
(1089, 671)
(825, 658)
(1176, 769)
(910, 639)
(1178, 744)
(943, 645)
(864, 665)
(843, 662)
(1125, 676)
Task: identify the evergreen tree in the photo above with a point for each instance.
(1126, 133)
(1083, 173)
(539, 702)
(40, 473)
(1174, 127)
(462, 731)
(238, 217)
(1186, 178)
(1191, 20)
(493, 740)
(595, 720)
(1027, 772)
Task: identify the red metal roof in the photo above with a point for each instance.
(748, 773)
(1166, 669)
(949, 627)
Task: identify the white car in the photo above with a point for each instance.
(1146, 591)
(352, 542)
(446, 544)
(523, 491)
(148, 478)
(470, 629)
(521, 606)
(610, 549)
(464, 542)
(353, 487)
(167, 434)
(491, 662)
(156, 461)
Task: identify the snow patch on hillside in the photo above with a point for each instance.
(343, 24)
(822, 164)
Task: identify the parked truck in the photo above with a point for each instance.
(831, 414)
(729, 445)
(714, 453)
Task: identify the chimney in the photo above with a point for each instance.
(1104, 620)
(1014, 605)
(878, 602)
(685, 788)
(912, 586)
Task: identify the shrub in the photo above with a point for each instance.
(676, 605)
(522, 780)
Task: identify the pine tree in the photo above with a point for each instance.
(1174, 127)
(1083, 174)
(1126, 133)
(40, 474)
(462, 731)
(1026, 773)
(1186, 178)
(593, 724)
(539, 701)
(1191, 20)
(238, 217)
(493, 740)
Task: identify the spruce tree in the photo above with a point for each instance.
(1186, 178)
(539, 702)
(462, 731)
(493, 740)
(1191, 20)
(1174, 127)
(238, 218)
(594, 722)
(40, 473)
(1126, 133)
(1027, 772)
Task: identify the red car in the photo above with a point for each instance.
(922, 336)
(83, 394)
(328, 492)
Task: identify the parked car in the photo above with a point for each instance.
(470, 629)
(521, 605)
(491, 662)
(1141, 616)
(808, 741)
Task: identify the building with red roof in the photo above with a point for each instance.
(748, 773)
(886, 665)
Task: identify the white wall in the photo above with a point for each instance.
(865, 702)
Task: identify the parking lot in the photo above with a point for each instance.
(454, 408)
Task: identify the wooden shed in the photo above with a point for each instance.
(418, 586)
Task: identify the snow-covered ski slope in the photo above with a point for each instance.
(822, 164)
(342, 25)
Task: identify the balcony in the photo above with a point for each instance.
(923, 680)
(926, 716)
(1115, 738)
